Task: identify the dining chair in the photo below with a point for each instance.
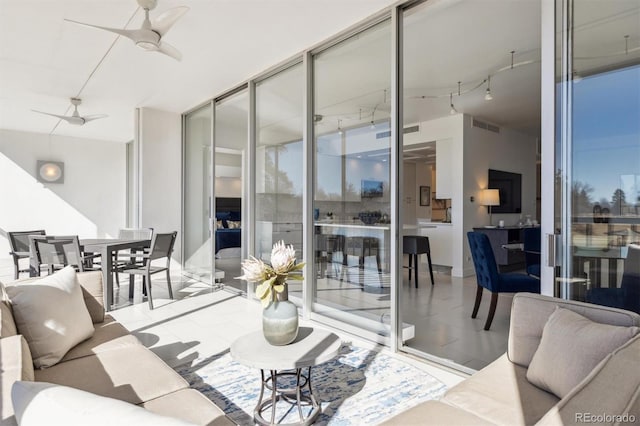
(19, 245)
(58, 251)
(488, 277)
(120, 259)
(531, 247)
(161, 247)
(415, 245)
(627, 296)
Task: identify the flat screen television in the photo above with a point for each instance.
(371, 188)
(510, 187)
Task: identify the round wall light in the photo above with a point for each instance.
(50, 171)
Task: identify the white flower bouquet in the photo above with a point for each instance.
(273, 277)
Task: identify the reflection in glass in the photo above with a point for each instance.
(605, 154)
(197, 261)
(231, 135)
(351, 197)
(279, 160)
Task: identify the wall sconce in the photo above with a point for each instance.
(50, 171)
(490, 197)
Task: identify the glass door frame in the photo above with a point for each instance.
(549, 252)
(210, 103)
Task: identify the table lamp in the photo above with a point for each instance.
(490, 197)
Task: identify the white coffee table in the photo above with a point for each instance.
(312, 347)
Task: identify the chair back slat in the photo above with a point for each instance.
(135, 233)
(57, 250)
(162, 245)
(19, 240)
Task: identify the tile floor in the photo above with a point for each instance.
(203, 321)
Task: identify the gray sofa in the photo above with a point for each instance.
(501, 394)
(111, 363)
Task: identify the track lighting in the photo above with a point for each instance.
(487, 93)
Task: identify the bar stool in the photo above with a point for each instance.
(326, 246)
(414, 245)
(361, 247)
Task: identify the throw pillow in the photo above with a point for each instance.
(570, 348)
(234, 224)
(40, 403)
(51, 315)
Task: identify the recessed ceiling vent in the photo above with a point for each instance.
(486, 126)
(387, 134)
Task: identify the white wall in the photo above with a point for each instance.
(90, 203)
(415, 176)
(509, 151)
(159, 138)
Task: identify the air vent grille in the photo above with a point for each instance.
(486, 126)
(410, 129)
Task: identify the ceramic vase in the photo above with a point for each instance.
(280, 320)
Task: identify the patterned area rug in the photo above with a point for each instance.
(358, 387)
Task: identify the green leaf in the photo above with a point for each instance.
(267, 299)
(279, 288)
(262, 289)
(298, 267)
(295, 277)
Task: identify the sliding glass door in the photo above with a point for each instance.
(230, 160)
(597, 179)
(351, 181)
(279, 160)
(197, 183)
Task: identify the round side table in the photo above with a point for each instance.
(311, 347)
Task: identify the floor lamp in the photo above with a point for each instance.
(490, 197)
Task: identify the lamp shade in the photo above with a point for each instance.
(490, 197)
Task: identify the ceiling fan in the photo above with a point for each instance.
(149, 36)
(76, 119)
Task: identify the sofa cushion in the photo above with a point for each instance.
(51, 315)
(613, 388)
(189, 405)
(501, 394)
(15, 364)
(106, 335)
(435, 413)
(45, 403)
(132, 373)
(93, 294)
(570, 348)
(7, 323)
(530, 312)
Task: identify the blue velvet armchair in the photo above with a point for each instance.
(627, 296)
(488, 277)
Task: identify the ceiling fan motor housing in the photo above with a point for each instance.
(148, 4)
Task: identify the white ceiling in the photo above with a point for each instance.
(44, 60)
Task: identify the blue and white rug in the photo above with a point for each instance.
(359, 387)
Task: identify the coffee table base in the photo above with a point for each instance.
(293, 396)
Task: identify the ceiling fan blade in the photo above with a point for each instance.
(62, 117)
(165, 20)
(88, 118)
(130, 34)
(169, 50)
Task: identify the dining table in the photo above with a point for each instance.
(108, 248)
